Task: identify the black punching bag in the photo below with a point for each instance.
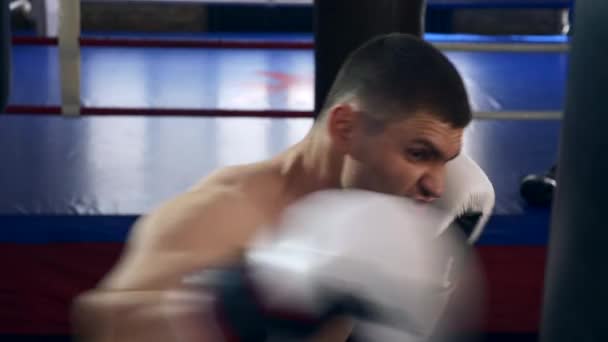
(575, 304)
(5, 55)
(342, 25)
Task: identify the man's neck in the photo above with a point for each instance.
(310, 166)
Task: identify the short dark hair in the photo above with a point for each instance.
(399, 73)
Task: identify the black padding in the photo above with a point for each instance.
(343, 25)
(5, 54)
(538, 190)
(576, 282)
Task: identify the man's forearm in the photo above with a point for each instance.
(103, 316)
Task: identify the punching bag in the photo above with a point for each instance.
(576, 280)
(343, 25)
(5, 56)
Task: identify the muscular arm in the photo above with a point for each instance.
(190, 232)
(193, 231)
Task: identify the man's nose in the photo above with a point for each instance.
(432, 186)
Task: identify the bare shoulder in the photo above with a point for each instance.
(204, 213)
(206, 225)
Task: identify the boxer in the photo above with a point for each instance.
(387, 262)
(392, 123)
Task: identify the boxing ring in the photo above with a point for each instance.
(156, 117)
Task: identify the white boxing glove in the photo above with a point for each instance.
(468, 197)
(366, 255)
(468, 202)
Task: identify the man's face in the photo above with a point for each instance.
(406, 158)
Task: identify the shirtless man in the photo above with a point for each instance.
(393, 119)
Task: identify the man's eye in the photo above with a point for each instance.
(419, 155)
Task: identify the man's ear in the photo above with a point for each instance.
(342, 126)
